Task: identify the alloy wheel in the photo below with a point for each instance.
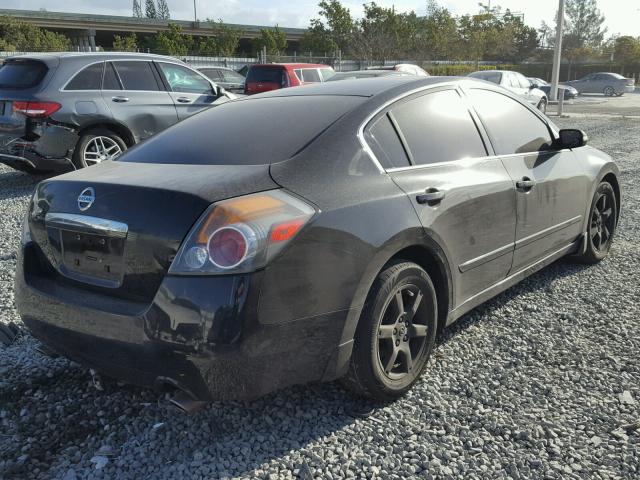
(402, 332)
(609, 92)
(603, 222)
(99, 149)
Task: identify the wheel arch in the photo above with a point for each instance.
(612, 179)
(115, 127)
(416, 247)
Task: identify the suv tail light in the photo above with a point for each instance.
(36, 109)
(241, 234)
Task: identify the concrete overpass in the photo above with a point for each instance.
(88, 31)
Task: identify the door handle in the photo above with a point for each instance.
(431, 197)
(120, 99)
(525, 184)
(183, 100)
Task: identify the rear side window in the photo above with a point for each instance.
(110, 81)
(219, 136)
(22, 73)
(513, 128)
(310, 75)
(326, 74)
(137, 75)
(89, 78)
(493, 77)
(230, 76)
(438, 127)
(383, 139)
(212, 73)
(267, 75)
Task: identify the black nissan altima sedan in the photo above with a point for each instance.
(354, 221)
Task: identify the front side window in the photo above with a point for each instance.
(310, 75)
(137, 75)
(89, 78)
(183, 80)
(513, 128)
(383, 139)
(438, 127)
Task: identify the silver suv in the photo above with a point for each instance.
(71, 110)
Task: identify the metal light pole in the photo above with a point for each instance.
(195, 12)
(557, 53)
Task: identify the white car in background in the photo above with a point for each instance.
(516, 83)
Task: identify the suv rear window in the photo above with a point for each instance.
(255, 131)
(266, 75)
(22, 73)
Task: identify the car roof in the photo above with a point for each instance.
(212, 66)
(56, 57)
(365, 87)
(290, 65)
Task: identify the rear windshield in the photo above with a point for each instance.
(616, 75)
(21, 73)
(255, 131)
(493, 77)
(266, 74)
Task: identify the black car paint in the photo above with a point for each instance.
(240, 336)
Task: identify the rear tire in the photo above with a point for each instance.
(602, 224)
(97, 145)
(395, 334)
(609, 91)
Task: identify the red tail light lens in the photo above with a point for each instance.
(227, 247)
(242, 234)
(36, 109)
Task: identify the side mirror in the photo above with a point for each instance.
(572, 138)
(532, 86)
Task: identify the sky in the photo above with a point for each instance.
(622, 17)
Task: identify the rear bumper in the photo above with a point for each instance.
(48, 147)
(629, 89)
(202, 335)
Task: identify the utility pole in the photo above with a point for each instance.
(195, 13)
(557, 53)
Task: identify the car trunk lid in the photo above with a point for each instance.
(117, 226)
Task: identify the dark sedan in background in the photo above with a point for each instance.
(227, 78)
(228, 266)
(569, 92)
(62, 111)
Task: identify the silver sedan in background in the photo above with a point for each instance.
(607, 83)
(517, 83)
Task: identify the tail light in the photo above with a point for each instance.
(36, 109)
(242, 234)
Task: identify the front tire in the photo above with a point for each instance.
(603, 220)
(395, 334)
(97, 145)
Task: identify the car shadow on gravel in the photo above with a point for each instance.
(74, 420)
(541, 280)
(15, 184)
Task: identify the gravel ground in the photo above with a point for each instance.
(543, 381)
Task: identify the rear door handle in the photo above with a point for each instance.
(120, 99)
(431, 197)
(525, 184)
(183, 100)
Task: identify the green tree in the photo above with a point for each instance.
(125, 43)
(21, 36)
(173, 42)
(150, 9)
(585, 23)
(438, 37)
(137, 9)
(274, 39)
(331, 31)
(227, 38)
(626, 51)
(162, 10)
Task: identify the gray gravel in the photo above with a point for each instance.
(543, 381)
